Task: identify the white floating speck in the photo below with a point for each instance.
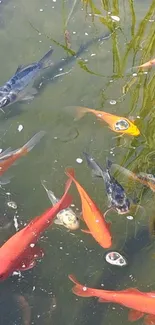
(16, 223)
(138, 116)
(113, 102)
(93, 54)
(1, 150)
(134, 74)
(74, 32)
(20, 127)
(129, 217)
(55, 138)
(41, 10)
(86, 60)
(33, 288)
(84, 288)
(54, 0)
(86, 34)
(115, 18)
(79, 160)
(145, 72)
(12, 204)
(32, 245)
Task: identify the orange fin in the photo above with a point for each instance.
(79, 289)
(134, 315)
(70, 172)
(133, 290)
(149, 320)
(103, 300)
(28, 260)
(86, 231)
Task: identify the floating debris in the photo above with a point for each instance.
(12, 204)
(20, 127)
(115, 258)
(79, 160)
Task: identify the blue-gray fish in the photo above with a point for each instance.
(19, 86)
(115, 192)
(65, 217)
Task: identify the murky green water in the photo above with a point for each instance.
(96, 80)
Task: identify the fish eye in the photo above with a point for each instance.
(121, 125)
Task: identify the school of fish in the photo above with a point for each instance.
(21, 251)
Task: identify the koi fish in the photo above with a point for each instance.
(115, 192)
(97, 225)
(8, 157)
(65, 217)
(143, 178)
(18, 87)
(148, 64)
(116, 123)
(140, 303)
(20, 252)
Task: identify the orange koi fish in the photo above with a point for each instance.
(143, 178)
(148, 64)
(8, 157)
(140, 303)
(97, 225)
(116, 123)
(20, 252)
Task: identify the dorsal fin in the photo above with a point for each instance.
(20, 67)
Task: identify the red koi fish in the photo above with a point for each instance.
(20, 252)
(94, 219)
(140, 303)
(8, 157)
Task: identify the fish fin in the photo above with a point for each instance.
(50, 194)
(80, 112)
(57, 221)
(67, 202)
(103, 300)
(4, 180)
(96, 169)
(86, 231)
(30, 255)
(29, 95)
(96, 174)
(149, 320)
(133, 290)
(6, 153)
(70, 172)
(46, 60)
(32, 142)
(134, 315)
(79, 289)
(20, 67)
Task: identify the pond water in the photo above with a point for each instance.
(99, 77)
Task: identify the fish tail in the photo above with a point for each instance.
(32, 142)
(46, 60)
(66, 199)
(70, 173)
(50, 194)
(97, 170)
(79, 289)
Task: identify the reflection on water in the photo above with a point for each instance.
(93, 72)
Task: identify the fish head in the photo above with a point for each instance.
(125, 126)
(124, 208)
(69, 219)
